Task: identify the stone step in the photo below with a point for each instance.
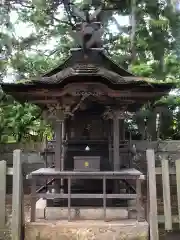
(87, 230)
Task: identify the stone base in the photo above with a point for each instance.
(84, 213)
(40, 208)
(87, 230)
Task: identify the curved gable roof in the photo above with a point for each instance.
(94, 57)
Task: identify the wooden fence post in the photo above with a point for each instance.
(166, 194)
(17, 198)
(2, 194)
(178, 186)
(153, 218)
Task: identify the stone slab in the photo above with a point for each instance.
(85, 213)
(87, 230)
(40, 208)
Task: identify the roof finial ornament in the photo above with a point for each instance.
(87, 32)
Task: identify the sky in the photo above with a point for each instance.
(24, 30)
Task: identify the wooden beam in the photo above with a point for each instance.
(87, 195)
(111, 93)
(116, 160)
(58, 144)
(43, 101)
(62, 151)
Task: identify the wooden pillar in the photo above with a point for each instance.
(109, 127)
(17, 198)
(63, 148)
(116, 159)
(62, 153)
(58, 144)
(121, 129)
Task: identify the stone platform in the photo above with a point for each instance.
(86, 224)
(87, 230)
(84, 213)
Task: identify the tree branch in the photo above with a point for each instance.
(62, 21)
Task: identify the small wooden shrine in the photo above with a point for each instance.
(87, 99)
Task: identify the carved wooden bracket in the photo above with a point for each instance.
(56, 112)
(120, 114)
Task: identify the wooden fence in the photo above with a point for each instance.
(154, 218)
(17, 224)
(165, 171)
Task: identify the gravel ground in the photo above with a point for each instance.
(5, 234)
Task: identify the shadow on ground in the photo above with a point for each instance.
(175, 235)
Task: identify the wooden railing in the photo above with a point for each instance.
(46, 173)
(154, 218)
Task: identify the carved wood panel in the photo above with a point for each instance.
(87, 127)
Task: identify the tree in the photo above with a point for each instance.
(149, 47)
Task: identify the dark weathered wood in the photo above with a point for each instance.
(109, 141)
(116, 156)
(92, 177)
(81, 196)
(99, 90)
(104, 197)
(138, 199)
(51, 172)
(121, 130)
(69, 198)
(62, 153)
(58, 151)
(58, 144)
(116, 159)
(33, 201)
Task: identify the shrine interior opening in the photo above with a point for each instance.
(91, 139)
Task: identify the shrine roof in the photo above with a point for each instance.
(95, 57)
(91, 70)
(124, 84)
(96, 64)
(94, 67)
(79, 67)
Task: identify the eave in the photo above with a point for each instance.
(41, 93)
